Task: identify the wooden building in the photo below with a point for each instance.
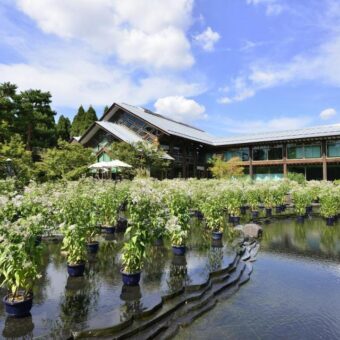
(313, 151)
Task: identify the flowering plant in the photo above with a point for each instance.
(177, 234)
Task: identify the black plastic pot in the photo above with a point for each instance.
(93, 247)
(309, 209)
(254, 214)
(330, 220)
(268, 212)
(217, 235)
(158, 242)
(230, 219)
(38, 240)
(121, 224)
(300, 219)
(18, 309)
(236, 220)
(131, 279)
(243, 210)
(178, 250)
(283, 207)
(75, 270)
(278, 209)
(106, 229)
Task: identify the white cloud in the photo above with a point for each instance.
(150, 33)
(180, 108)
(103, 51)
(207, 39)
(327, 113)
(273, 7)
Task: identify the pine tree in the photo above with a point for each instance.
(106, 108)
(90, 117)
(64, 128)
(77, 128)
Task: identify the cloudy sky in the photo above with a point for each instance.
(227, 66)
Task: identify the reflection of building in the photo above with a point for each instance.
(313, 151)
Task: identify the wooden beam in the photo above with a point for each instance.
(324, 161)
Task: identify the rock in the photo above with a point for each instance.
(250, 230)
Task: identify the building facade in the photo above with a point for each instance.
(314, 151)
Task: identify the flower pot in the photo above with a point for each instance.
(93, 247)
(131, 279)
(255, 214)
(278, 209)
(75, 270)
(300, 219)
(38, 239)
(230, 219)
(216, 243)
(268, 212)
(330, 220)
(217, 235)
(106, 229)
(18, 309)
(158, 242)
(178, 250)
(309, 209)
(243, 210)
(121, 224)
(236, 220)
(283, 207)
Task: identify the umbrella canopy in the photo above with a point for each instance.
(112, 164)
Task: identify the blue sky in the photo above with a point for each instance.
(227, 66)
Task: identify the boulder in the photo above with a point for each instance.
(251, 230)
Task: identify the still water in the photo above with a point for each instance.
(293, 293)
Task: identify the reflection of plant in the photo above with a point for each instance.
(177, 235)
(327, 239)
(154, 263)
(177, 277)
(215, 258)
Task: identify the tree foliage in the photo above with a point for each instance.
(64, 128)
(15, 160)
(83, 120)
(226, 169)
(69, 161)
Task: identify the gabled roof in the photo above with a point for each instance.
(309, 132)
(168, 125)
(120, 131)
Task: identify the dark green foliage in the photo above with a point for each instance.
(64, 128)
(106, 108)
(83, 120)
(294, 176)
(15, 160)
(7, 109)
(69, 161)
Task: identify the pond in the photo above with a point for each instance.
(292, 292)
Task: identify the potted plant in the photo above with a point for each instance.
(267, 197)
(302, 199)
(330, 204)
(212, 209)
(74, 244)
(177, 235)
(19, 270)
(253, 199)
(233, 201)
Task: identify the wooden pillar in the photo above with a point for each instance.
(195, 148)
(251, 171)
(324, 161)
(284, 159)
(184, 161)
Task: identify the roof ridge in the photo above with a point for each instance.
(164, 117)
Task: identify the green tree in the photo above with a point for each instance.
(226, 169)
(15, 160)
(67, 160)
(83, 120)
(77, 128)
(64, 128)
(106, 108)
(34, 119)
(7, 109)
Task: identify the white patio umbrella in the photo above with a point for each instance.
(116, 164)
(99, 165)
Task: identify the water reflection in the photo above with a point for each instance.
(14, 329)
(131, 295)
(216, 257)
(178, 273)
(313, 238)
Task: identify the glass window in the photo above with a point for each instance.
(295, 151)
(275, 152)
(242, 153)
(260, 154)
(312, 151)
(333, 149)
